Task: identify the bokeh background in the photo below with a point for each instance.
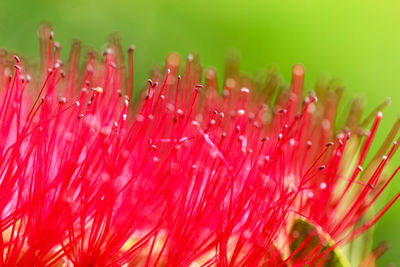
(356, 42)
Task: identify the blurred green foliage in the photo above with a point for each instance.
(357, 42)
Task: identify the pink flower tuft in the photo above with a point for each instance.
(250, 174)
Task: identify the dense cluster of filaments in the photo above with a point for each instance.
(190, 175)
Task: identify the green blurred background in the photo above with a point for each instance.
(357, 42)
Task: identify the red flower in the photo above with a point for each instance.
(257, 176)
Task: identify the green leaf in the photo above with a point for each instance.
(309, 240)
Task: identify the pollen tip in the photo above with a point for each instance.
(62, 100)
(245, 90)
(315, 99)
(241, 112)
(132, 48)
(340, 143)
(370, 186)
(17, 58)
(329, 144)
(98, 89)
(298, 70)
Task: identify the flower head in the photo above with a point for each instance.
(249, 174)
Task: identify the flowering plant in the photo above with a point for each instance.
(253, 174)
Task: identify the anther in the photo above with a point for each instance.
(323, 185)
(62, 100)
(314, 98)
(108, 51)
(370, 186)
(245, 90)
(329, 144)
(132, 48)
